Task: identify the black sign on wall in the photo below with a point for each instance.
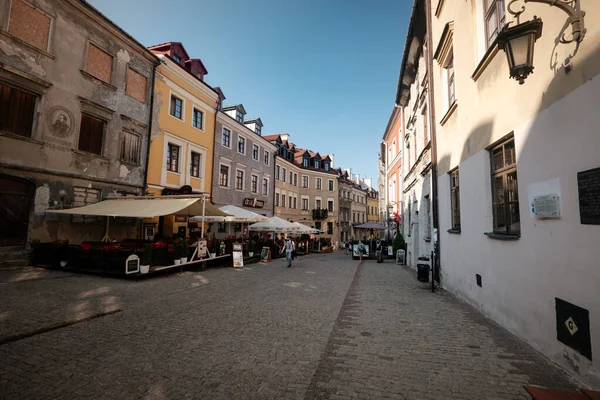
(588, 183)
(573, 327)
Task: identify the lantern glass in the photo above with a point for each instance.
(518, 48)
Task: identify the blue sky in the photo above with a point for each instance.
(324, 71)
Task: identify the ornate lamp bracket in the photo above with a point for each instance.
(571, 7)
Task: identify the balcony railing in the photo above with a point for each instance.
(322, 213)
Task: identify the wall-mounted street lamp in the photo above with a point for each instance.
(518, 41)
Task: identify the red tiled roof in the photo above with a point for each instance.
(271, 137)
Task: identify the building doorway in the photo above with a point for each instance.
(15, 202)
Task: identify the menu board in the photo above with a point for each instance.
(201, 248)
(238, 256)
(588, 183)
(265, 255)
(132, 264)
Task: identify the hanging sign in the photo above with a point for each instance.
(132, 264)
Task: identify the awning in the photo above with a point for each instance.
(306, 229)
(238, 214)
(147, 207)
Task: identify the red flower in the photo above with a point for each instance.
(159, 245)
(86, 246)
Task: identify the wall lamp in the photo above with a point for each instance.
(518, 41)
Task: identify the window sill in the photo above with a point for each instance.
(86, 153)
(501, 236)
(174, 172)
(489, 55)
(30, 46)
(449, 113)
(130, 164)
(19, 137)
(92, 77)
(198, 129)
(455, 231)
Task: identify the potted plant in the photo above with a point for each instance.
(146, 259)
(61, 251)
(177, 252)
(183, 255)
(214, 248)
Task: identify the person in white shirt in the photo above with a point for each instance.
(288, 247)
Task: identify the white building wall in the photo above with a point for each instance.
(553, 258)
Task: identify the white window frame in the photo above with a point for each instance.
(243, 179)
(318, 198)
(266, 157)
(268, 182)
(229, 186)
(257, 183)
(318, 184)
(332, 185)
(183, 101)
(257, 159)
(307, 182)
(237, 149)
(283, 174)
(230, 137)
(307, 198)
(333, 201)
(202, 125)
(276, 199)
(203, 151)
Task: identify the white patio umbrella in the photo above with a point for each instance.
(275, 224)
(306, 229)
(237, 214)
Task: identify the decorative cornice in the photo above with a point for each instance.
(444, 47)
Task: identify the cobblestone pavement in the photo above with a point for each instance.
(327, 328)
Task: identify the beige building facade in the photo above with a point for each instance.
(516, 169)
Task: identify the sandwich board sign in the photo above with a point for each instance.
(132, 264)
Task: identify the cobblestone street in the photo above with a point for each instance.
(328, 328)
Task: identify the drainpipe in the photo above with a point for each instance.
(432, 124)
(149, 128)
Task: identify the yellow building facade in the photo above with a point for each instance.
(183, 134)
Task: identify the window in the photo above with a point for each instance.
(195, 162)
(17, 110)
(277, 172)
(239, 117)
(283, 200)
(176, 58)
(455, 199)
(239, 179)
(198, 117)
(290, 201)
(255, 152)
(176, 107)
(305, 162)
(267, 155)
(295, 201)
(330, 228)
(305, 204)
(257, 129)
(224, 176)
(326, 166)
(241, 145)
(226, 137)
(330, 205)
(428, 215)
(318, 225)
(318, 204)
(265, 187)
(29, 24)
(91, 134)
(353, 217)
(99, 63)
(291, 177)
(317, 164)
(494, 19)
(505, 195)
(254, 185)
(136, 86)
(305, 181)
(130, 147)
(283, 175)
(450, 72)
(331, 185)
(363, 215)
(319, 183)
(277, 199)
(172, 158)
(295, 179)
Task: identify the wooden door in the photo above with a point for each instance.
(15, 202)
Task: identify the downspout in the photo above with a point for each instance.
(215, 152)
(432, 125)
(149, 128)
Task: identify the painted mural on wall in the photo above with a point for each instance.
(60, 122)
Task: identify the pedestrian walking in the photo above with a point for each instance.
(289, 248)
(346, 247)
(361, 250)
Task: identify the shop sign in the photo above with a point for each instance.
(184, 190)
(181, 218)
(248, 202)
